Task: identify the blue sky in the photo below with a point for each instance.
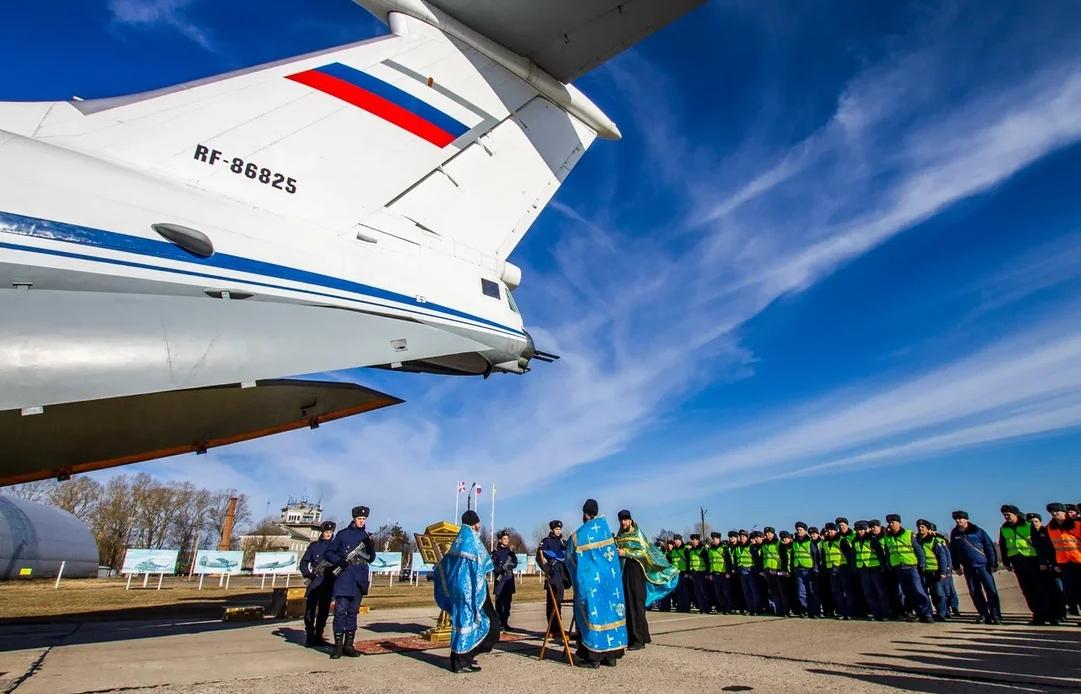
(832, 268)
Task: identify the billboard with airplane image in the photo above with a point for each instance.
(150, 561)
(216, 561)
(274, 563)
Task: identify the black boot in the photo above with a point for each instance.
(339, 645)
(320, 640)
(309, 637)
(349, 651)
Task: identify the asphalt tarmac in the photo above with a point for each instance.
(689, 653)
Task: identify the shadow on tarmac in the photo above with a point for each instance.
(993, 658)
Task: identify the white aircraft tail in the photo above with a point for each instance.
(416, 124)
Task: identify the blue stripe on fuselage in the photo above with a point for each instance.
(98, 238)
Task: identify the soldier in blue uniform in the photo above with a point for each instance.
(552, 558)
(320, 588)
(505, 561)
(352, 583)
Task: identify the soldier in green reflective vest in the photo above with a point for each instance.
(718, 574)
(835, 550)
(805, 563)
(937, 569)
(698, 568)
(870, 561)
(678, 558)
(1017, 546)
(747, 578)
(906, 561)
(735, 587)
(771, 569)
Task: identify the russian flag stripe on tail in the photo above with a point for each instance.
(383, 100)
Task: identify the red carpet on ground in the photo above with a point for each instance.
(405, 644)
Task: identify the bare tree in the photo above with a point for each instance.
(392, 538)
(517, 542)
(80, 497)
(262, 538)
(31, 491)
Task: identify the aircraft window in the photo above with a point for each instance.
(489, 288)
(513, 306)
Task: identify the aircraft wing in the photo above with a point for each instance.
(96, 434)
(566, 38)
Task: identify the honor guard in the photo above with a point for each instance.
(505, 561)
(552, 558)
(345, 552)
(320, 587)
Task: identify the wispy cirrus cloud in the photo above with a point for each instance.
(156, 14)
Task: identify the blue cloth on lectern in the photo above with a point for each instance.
(461, 588)
(598, 586)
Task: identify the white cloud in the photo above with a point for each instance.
(160, 13)
(648, 314)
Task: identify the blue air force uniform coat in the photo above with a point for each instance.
(354, 579)
(312, 556)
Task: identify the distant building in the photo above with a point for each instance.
(297, 526)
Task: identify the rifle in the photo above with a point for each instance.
(357, 555)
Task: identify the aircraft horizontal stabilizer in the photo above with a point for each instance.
(96, 434)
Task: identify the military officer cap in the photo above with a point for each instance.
(755, 533)
(715, 535)
(960, 514)
(890, 517)
(470, 517)
(1055, 506)
(1010, 508)
(801, 524)
(677, 536)
(555, 524)
(924, 522)
(624, 515)
(829, 526)
(785, 533)
(841, 519)
(861, 525)
(360, 512)
(812, 529)
(1032, 517)
(875, 523)
(769, 529)
(328, 525)
(696, 536)
(503, 533)
(733, 533)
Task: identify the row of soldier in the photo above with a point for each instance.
(868, 571)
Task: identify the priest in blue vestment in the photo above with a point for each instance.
(599, 607)
(461, 590)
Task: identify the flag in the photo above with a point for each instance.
(461, 487)
(478, 490)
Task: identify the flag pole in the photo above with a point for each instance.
(492, 504)
(457, 498)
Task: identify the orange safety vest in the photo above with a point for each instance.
(1067, 544)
